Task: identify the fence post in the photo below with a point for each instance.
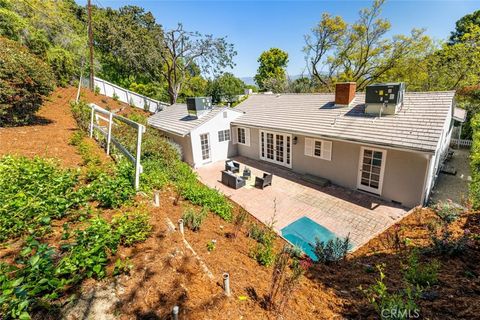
(91, 121)
(141, 130)
(109, 134)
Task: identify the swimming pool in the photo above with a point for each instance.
(304, 231)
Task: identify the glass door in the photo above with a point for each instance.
(205, 146)
(371, 170)
(275, 147)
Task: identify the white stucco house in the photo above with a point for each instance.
(387, 143)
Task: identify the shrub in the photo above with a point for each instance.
(114, 96)
(193, 219)
(24, 81)
(444, 243)
(32, 193)
(62, 63)
(132, 227)
(447, 211)
(81, 113)
(397, 305)
(421, 274)
(262, 234)
(263, 253)
(331, 251)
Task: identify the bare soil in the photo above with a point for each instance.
(166, 273)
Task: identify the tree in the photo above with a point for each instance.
(182, 49)
(301, 85)
(271, 74)
(225, 88)
(127, 40)
(359, 52)
(463, 25)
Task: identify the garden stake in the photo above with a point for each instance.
(156, 199)
(175, 312)
(180, 225)
(226, 284)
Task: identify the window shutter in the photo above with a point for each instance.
(309, 147)
(327, 150)
(235, 135)
(247, 136)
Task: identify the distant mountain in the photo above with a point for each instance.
(251, 81)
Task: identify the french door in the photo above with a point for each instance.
(372, 167)
(205, 147)
(276, 148)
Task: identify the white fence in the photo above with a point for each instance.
(102, 121)
(132, 98)
(460, 143)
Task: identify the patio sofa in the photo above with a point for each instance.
(265, 181)
(232, 166)
(231, 180)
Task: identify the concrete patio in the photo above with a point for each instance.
(341, 210)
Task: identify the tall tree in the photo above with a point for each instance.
(127, 39)
(359, 52)
(181, 50)
(271, 74)
(463, 25)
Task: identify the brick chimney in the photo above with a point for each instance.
(344, 93)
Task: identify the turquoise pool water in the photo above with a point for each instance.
(304, 231)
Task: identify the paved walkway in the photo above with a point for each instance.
(454, 187)
(289, 198)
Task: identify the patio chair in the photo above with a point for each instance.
(232, 166)
(231, 180)
(265, 181)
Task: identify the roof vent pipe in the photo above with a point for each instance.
(345, 93)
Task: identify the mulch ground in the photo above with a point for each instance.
(166, 273)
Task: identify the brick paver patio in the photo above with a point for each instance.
(341, 210)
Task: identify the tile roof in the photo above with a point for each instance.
(418, 125)
(175, 119)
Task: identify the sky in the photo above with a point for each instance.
(256, 26)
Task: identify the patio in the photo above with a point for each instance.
(290, 198)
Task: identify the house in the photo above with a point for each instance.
(386, 142)
(204, 136)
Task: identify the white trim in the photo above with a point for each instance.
(326, 149)
(382, 170)
(285, 135)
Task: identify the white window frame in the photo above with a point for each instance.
(325, 149)
(224, 135)
(379, 190)
(247, 136)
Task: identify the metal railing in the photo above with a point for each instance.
(460, 143)
(102, 120)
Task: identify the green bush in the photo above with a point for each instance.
(32, 193)
(132, 227)
(262, 234)
(81, 112)
(393, 306)
(11, 24)
(474, 185)
(193, 219)
(264, 254)
(112, 190)
(447, 210)
(421, 274)
(331, 251)
(63, 64)
(24, 81)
